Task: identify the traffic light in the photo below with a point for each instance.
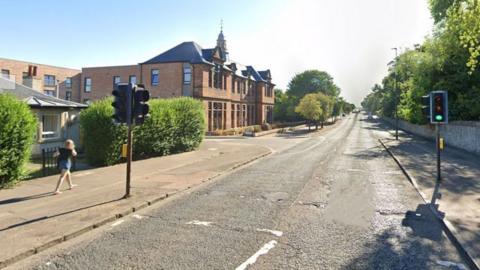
(122, 102)
(439, 107)
(140, 107)
(426, 106)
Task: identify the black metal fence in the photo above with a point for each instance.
(49, 162)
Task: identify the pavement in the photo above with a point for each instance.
(332, 200)
(460, 186)
(33, 219)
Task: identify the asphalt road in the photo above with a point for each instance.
(334, 200)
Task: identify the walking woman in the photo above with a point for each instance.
(64, 163)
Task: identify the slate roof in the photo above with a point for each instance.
(184, 52)
(36, 99)
(193, 53)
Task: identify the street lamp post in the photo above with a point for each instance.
(395, 93)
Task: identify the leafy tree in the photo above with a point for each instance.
(310, 108)
(312, 81)
(438, 9)
(326, 103)
(446, 61)
(284, 109)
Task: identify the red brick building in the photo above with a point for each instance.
(54, 81)
(234, 95)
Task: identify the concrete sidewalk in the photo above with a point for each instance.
(460, 186)
(32, 219)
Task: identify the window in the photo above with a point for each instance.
(232, 117)
(68, 95)
(50, 126)
(132, 79)
(217, 115)
(210, 74)
(88, 85)
(68, 82)
(225, 81)
(6, 74)
(48, 80)
(187, 74)
(217, 77)
(155, 80)
(233, 84)
(49, 92)
(116, 80)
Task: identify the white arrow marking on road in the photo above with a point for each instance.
(118, 223)
(264, 250)
(198, 222)
(137, 216)
(276, 233)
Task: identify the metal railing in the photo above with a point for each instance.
(49, 162)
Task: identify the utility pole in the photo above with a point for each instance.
(395, 93)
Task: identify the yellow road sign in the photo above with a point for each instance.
(124, 150)
(441, 143)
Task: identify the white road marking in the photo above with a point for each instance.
(117, 223)
(276, 233)
(198, 222)
(449, 264)
(212, 149)
(264, 250)
(137, 216)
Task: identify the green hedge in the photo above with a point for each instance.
(17, 129)
(175, 125)
(100, 136)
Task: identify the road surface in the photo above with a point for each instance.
(334, 200)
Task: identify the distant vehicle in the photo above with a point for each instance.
(370, 116)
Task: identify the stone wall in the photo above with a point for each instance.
(464, 135)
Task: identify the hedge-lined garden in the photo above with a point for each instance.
(17, 130)
(175, 125)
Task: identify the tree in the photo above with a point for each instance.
(449, 60)
(312, 81)
(310, 108)
(438, 9)
(326, 103)
(284, 109)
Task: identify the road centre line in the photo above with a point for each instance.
(276, 233)
(264, 250)
(201, 223)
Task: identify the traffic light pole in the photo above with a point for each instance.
(129, 141)
(435, 194)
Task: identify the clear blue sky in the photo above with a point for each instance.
(350, 39)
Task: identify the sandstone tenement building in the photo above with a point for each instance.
(233, 95)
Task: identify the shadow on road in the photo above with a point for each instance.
(392, 250)
(423, 223)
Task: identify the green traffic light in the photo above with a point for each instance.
(438, 117)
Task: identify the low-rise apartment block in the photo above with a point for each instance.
(54, 81)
